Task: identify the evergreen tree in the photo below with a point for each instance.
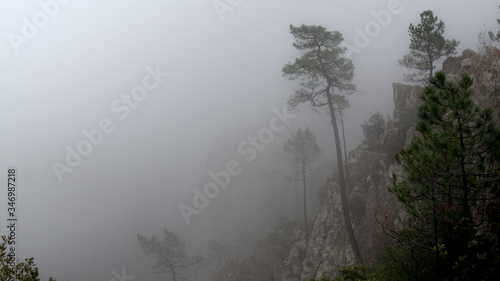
(373, 129)
(303, 149)
(427, 45)
(495, 37)
(451, 194)
(322, 72)
(22, 271)
(170, 253)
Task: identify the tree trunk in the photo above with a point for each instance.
(343, 195)
(345, 151)
(297, 203)
(466, 210)
(304, 187)
(431, 63)
(430, 72)
(174, 275)
(436, 232)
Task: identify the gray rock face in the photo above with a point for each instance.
(290, 268)
(260, 266)
(369, 198)
(406, 101)
(484, 69)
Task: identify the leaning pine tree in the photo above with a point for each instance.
(323, 72)
(340, 104)
(452, 191)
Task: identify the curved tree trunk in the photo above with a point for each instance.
(348, 176)
(343, 195)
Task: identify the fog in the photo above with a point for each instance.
(215, 80)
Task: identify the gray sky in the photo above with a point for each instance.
(224, 74)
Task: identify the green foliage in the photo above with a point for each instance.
(427, 45)
(321, 64)
(353, 273)
(170, 253)
(451, 194)
(340, 102)
(349, 273)
(403, 263)
(323, 278)
(373, 130)
(22, 271)
(495, 37)
(302, 147)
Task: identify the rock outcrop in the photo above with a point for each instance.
(371, 175)
(485, 69)
(260, 266)
(329, 247)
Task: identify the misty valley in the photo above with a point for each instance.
(250, 140)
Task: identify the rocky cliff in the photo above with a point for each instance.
(485, 69)
(371, 175)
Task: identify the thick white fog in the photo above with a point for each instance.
(158, 93)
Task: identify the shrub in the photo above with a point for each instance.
(348, 273)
